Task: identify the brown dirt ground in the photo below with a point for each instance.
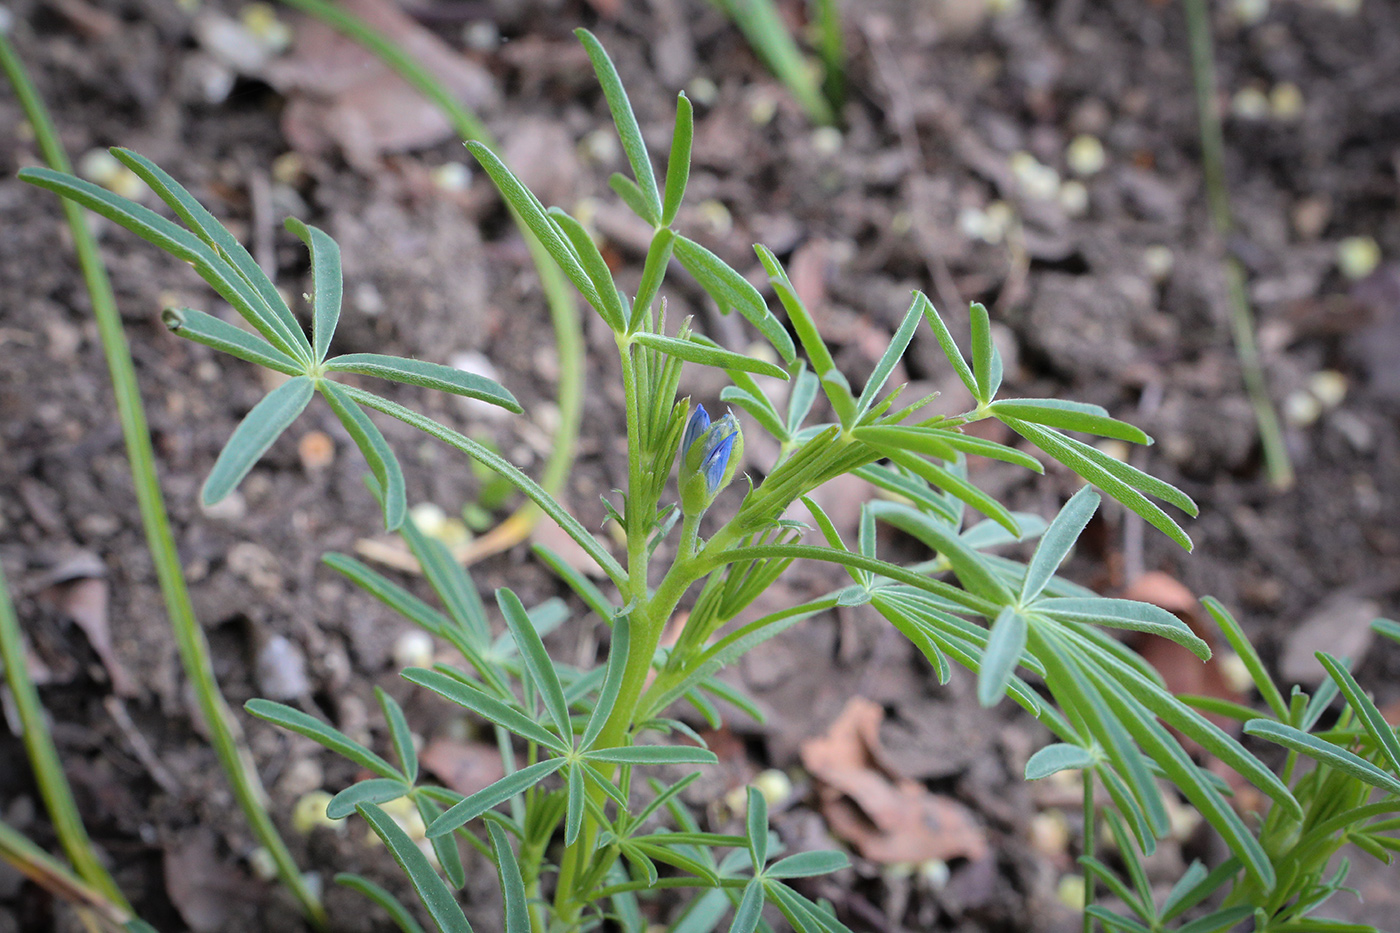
(942, 97)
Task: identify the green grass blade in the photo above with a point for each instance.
(435, 894)
(1004, 648)
(484, 705)
(678, 167)
(626, 121)
(398, 913)
(471, 807)
(376, 450)
(1057, 540)
(537, 661)
(429, 375)
(255, 434)
(327, 284)
(228, 338)
(731, 290)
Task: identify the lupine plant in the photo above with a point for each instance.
(589, 816)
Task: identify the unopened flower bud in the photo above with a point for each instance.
(710, 453)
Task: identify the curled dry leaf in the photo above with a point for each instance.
(887, 817)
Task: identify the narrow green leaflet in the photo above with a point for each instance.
(808, 864)
(626, 189)
(327, 283)
(678, 168)
(945, 340)
(228, 338)
(750, 910)
(801, 318)
(805, 916)
(889, 359)
(1069, 416)
(512, 885)
(958, 487)
(731, 290)
(1247, 653)
(399, 734)
(654, 755)
(1388, 628)
(1323, 752)
(468, 809)
(374, 790)
(1059, 757)
(429, 375)
(594, 266)
(255, 434)
(1125, 614)
(924, 441)
(971, 569)
(389, 593)
(626, 121)
(218, 237)
(445, 846)
(380, 456)
(1057, 540)
(756, 828)
(986, 361)
(435, 894)
(695, 351)
(332, 738)
(487, 707)
(398, 913)
(759, 407)
(453, 585)
(1381, 732)
(573, 813)
(653, 272)
(612, 681)
(1115, 478)
(537, 661)
(1005, 646)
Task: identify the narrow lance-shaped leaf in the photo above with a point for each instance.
(537, 661)
(986, 361)
(485, 706)
(1058, 757)
(750, 910)
(453, 585)
(374, 790)
(1381, 732)
(1323, 752)
(426, 374)
(573, 813)
(945, 340)
(1245, 649)
(1069, 416)
(1005, 645)
(399, 733)
(327, 283)
(694, 351)
(228, 338)
(731, 290)
(626, 189)
(808, 864)
(377, 452)
(653, 272)
(756, 828)
(612, 681)
(627, 128)
(1057, 540)
(1125, 614)
(435, 894)
(469, 808)
(610, 306)
(512, 885)
(280, 714)
(890, 358)
(255, 434)
(654, 755)
(398, 913)
(449, 856)
(678, 168)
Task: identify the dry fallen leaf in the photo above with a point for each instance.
(80, 593)
(465, 767)
(1341, 626)
(887, 817)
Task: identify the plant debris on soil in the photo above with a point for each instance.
(1038, 156)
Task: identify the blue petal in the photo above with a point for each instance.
(697, 425)
(715, 463)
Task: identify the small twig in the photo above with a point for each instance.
(116, 708)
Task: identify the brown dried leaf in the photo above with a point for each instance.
(888, 818)
(465, 767)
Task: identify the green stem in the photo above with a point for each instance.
(1276, 460)
(559, 296)
(43, 756)
(224, 733)
(1088, 846)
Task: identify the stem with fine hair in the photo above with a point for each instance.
(1256, 385)
(224, 733)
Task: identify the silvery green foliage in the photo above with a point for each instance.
(579, 746)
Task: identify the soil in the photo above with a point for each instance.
(1115, 298)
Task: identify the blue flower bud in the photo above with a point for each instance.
(707, 458)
